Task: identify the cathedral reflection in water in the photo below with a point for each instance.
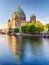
(15, 45)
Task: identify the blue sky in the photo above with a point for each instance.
(38, 7)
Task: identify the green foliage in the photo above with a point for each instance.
(47, 25)
(33, 27)
(16, 30)
(39, 26)
(23, 28)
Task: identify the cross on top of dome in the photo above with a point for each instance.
(19, 6)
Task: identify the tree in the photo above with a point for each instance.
(23, 28)
(33, 27)
(39, 26)
(47, 26)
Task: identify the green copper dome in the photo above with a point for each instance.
(33, 15)
(19, 11)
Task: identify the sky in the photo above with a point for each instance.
(38, 7)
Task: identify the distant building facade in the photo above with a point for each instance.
(18, 19)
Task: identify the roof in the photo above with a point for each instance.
(19, 10)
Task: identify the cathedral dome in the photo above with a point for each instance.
(19, 11)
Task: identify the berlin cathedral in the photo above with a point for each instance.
(18, 19)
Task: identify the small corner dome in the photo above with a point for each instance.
(19, 11)
(33, 15)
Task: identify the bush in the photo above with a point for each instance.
(16, 30)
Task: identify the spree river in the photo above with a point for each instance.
(23, 51)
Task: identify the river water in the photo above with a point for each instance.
(23, 51)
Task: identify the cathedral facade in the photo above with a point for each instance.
(18, 17)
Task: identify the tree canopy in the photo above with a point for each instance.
(33, 27)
